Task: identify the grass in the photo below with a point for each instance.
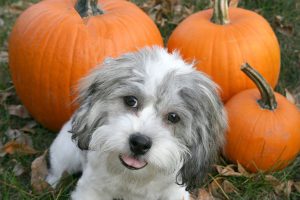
(257, 187)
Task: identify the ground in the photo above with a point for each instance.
(226, 182)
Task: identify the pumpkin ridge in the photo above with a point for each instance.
(32, 22)
(50, 86)
(270, 56)
(251, 136)
(69, 81)
(231, 30)
(39, 81)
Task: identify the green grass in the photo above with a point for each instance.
(18, 187)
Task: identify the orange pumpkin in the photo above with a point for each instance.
(52, 46)
(264, 127)
(220, 39)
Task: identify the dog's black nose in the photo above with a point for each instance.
(139, 144)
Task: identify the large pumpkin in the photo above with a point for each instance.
(52, 46)
(221, 39)
(264, 127)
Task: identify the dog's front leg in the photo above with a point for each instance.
(86, 193)
(90, 187)
(175, 192)
(64, 156)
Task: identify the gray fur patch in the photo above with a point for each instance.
(203, 121)
(112, 78)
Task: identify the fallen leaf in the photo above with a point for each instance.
(215, 188)
(297, 186)
(296, 94)
(228, 187)
(4, 96)
(287, 30)
(272, 180)
(18, 169)
(279, 188)
(281, 27)
(28, 128)
(39, 172)
(288, 188)
(13, 147)
(19, 111)
(204, 195)
(289, 96)
(3, 56)
(233, 3)
(227, 170)
(19, 137)
(243, 171)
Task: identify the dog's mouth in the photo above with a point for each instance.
(132, 162)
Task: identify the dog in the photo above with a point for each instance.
(149, 126)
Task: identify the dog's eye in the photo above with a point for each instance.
(131, 101)
(173, 118)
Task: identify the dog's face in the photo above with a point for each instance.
(150, 112)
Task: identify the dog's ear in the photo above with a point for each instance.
(93, 91)
(208, 126)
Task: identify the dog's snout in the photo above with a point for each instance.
(139, 144)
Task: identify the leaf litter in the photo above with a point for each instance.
(39, 172)
(18, 142)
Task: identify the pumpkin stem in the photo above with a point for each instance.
(220, 12)
(87, 8)
(268, 100)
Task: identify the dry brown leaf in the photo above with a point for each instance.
(227, 170)
(289, 96)
(3, 56)
(296, 94)
(297, 186)
(1, 22)
(18, 169)
(228, 187)
(288, 188)
(287, 30)
(272, 180)
(243, 171)
(204, 195)
(215, 188)
(39, 172)
(281, 27)
(28, 128)
(4, 96)
(18, 136)
(279, 188)
(19, 111)
(13, 147)
(233, 3)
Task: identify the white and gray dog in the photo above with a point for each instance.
(149, 126)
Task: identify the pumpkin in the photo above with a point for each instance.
(56, 42)
(221, 39)
(264, 127)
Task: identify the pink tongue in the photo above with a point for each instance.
(133, 162)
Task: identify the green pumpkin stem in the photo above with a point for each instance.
(268, 100)
(220, 12)
(88, 8)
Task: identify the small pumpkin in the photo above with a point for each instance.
(222, 38)
(56, 42)
(264, 127)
